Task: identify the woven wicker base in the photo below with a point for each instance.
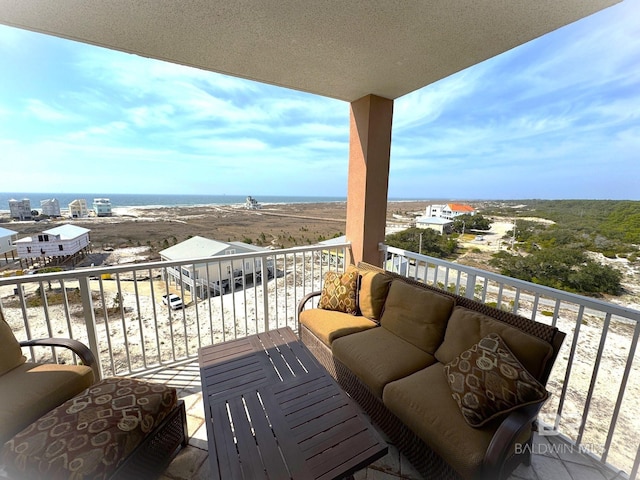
(154, 454)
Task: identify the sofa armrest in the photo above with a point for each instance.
(79, 348)
(502, 445)
(305, 299)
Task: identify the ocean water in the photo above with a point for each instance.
(140, 200)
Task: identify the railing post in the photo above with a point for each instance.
(90, 319)
(264, 276)
(382, 247)
(471, 286)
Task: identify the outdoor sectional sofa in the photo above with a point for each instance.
(454, 383)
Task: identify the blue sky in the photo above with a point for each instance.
(558, 117)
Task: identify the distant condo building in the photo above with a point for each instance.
(102, 207)
(20, 209)
(78, 208)
(50, 207)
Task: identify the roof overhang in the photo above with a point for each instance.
(335, 48)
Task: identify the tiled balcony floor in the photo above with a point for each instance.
(552, 459)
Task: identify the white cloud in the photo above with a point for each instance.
(48, 113)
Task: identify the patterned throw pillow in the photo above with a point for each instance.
(339, 291)
(488, 381)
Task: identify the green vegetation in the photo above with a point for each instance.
(554, 254)
(610, 227)
(563, 268)
(466, 223)
(433, 244)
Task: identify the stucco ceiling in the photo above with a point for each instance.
(344, 49)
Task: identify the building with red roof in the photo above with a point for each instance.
(450, 210)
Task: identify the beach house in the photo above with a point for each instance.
(7, 237)
(50, 207)
(218, 277)
(102, 207)
(449, 211)
(439, 224)
(55, 245)
(20, 209)
(78, 208)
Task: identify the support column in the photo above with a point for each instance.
(369, 150)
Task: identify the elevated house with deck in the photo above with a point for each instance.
(56, 245)
(20, 209)
(102, 207)
(78, 208)
(7, 237)
(50, 207)
(207, 278)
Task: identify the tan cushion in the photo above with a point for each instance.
(90, 435)
(339, 291)
(328, 325)
(31, 390)
(373, 292)
(416, 315)
(487, 381)
(423, 402)
(10, 351)
(466, 328)
(377, 357)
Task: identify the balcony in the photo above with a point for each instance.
(589, 422)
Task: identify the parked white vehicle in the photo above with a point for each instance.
(175, 302)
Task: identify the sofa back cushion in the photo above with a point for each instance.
(374, 287)
(416, 315)
(466, 328)
(10, 351)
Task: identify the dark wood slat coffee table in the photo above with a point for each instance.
(274, 413)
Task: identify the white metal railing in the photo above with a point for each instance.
(595, 383)
(118, 311)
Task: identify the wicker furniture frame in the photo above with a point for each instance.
(157, 449)
(499, 462)
(80, 349)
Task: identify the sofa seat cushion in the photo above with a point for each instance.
(423, 402)
(466, 328)
(416, 315)
(374, 287)
(377, 357)
(31, 390)
(91, 434)
(328, 325)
